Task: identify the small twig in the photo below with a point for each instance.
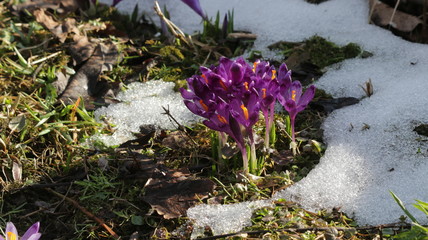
(372, 7)
(393, 13)
(45, 58)
(167, 112)
(86, 212)
(35, 46)
(37, 71)
(174, 29)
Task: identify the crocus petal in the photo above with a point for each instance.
(10, 228)
(32, 231)
(1, 238)
(295, 91)
(187, 94)
(290, 107)
(284, 77)
(307, 96)
(236, 73)
(196, 6)
(236, 132)
(196, 109)
(34, 237)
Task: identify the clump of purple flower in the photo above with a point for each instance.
(231, 95)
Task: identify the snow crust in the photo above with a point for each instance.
(361, 164)
(224, 219)
(142, 104)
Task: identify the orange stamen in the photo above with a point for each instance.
(246, 86)
(293, 95)
(204, 106)
(205, 78)
(263, 92)
(223, 85)
(255, 66)
(221, 119)
(245, 110)
(11, 236)
(273, 74)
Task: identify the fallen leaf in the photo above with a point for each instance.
(172, 200)
(172, 192)
(61, 81)
(176, 139)
(59, 6)
(60, 30)
(81, 50)
(381, 13)
(85, 82)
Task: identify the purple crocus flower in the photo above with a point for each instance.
(199, 99)
(294, 102)
(225, 96)
(268, 88)
(196, 6)
(284, 78)
(31, 234)
(246, 111)
(228, 79)
(223, 121)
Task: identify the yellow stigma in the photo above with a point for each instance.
(293, 95)
(204, 106)
(246, 86)
(221, 119)
(263, 92)
(11, 236)
(245, 110)
(255, 66)
(273, 74)
(205, 78)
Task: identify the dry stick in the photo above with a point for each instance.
(174, 29)
(168, 113)
(393, 13)
(372, 7)
(85, 211)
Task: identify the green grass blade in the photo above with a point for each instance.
(401, 204)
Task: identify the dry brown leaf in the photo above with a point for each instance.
(61, 82)
(85, 82)
(61, 31)
(171, 192)
(173, 199)
(381, 13)
(59, 6)
(81, 50)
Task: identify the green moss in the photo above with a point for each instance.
(169, 74)
(171, 53)
(324, 53)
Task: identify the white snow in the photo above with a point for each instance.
(222, 219)
(142, 104)
(360, 166)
